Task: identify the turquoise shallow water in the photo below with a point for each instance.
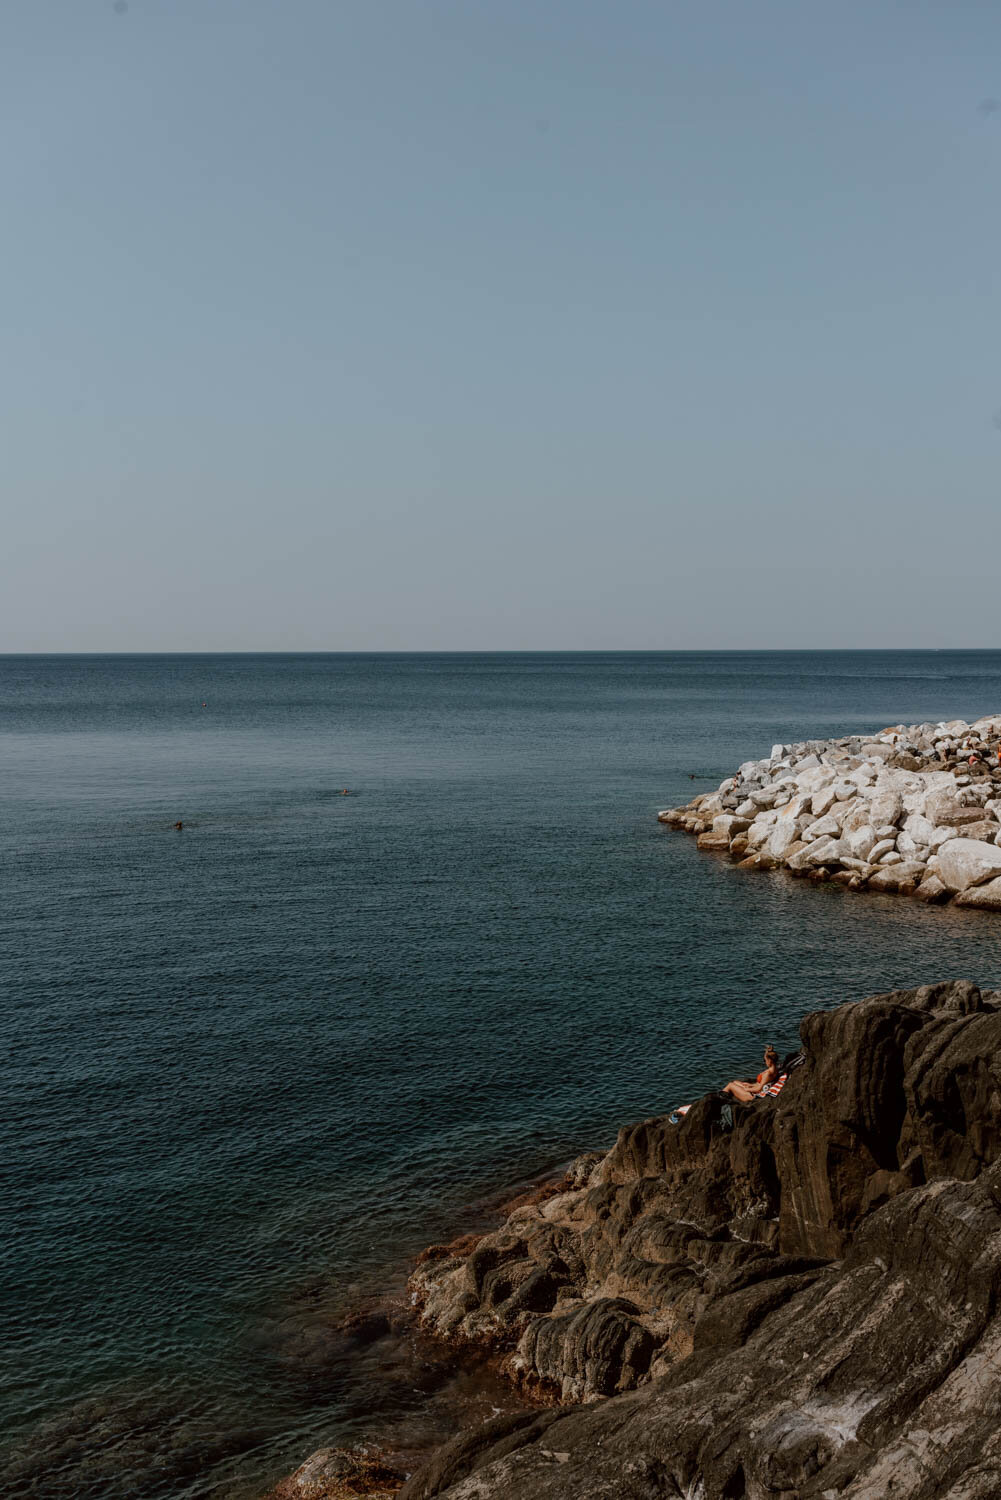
(250, 1067)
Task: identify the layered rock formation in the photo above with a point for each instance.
(912, 811)
(795, 1298)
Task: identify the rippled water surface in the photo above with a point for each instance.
(251, 1066)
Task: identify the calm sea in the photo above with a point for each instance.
(248, 1068)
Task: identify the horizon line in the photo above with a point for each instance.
(520, 651)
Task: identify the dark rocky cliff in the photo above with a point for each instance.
(800, 1304)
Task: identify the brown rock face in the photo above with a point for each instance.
(793, 1299)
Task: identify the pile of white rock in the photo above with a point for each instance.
(914, 810)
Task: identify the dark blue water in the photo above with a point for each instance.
(250, 1067)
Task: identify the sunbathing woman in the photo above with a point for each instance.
(746, 1092)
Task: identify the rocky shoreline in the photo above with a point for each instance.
(461, 1386)
(793, 1298)
(914, 810)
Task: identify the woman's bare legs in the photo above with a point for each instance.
(745, 1092)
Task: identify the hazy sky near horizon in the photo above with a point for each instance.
(442, 324)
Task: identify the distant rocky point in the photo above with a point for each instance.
(911, 811)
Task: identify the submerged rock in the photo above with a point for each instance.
(796, 1298)
(339, 1474)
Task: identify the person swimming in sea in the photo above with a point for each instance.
(740, 1089)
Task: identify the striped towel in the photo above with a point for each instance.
(776, 1088)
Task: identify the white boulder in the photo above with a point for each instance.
(729, 824)
(861, 840)
(797, 805)
(823, 799)
(759, 831)
(920, 828)
(887, 805)
(987, 897)
(823, 851)
(855, 815)
(784, 833)
(823, 827)
(763, 796)
(963, 863)
(813, 778)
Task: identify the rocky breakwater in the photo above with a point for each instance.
(797, 1298)
(914, 810)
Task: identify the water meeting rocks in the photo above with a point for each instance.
(914, 810)
(797, 1298)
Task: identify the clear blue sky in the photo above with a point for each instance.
(450, 324)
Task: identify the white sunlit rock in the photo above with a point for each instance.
(823, 799)
(823, 826)
(966, 862)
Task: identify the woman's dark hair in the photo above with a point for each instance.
(771, 1052)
